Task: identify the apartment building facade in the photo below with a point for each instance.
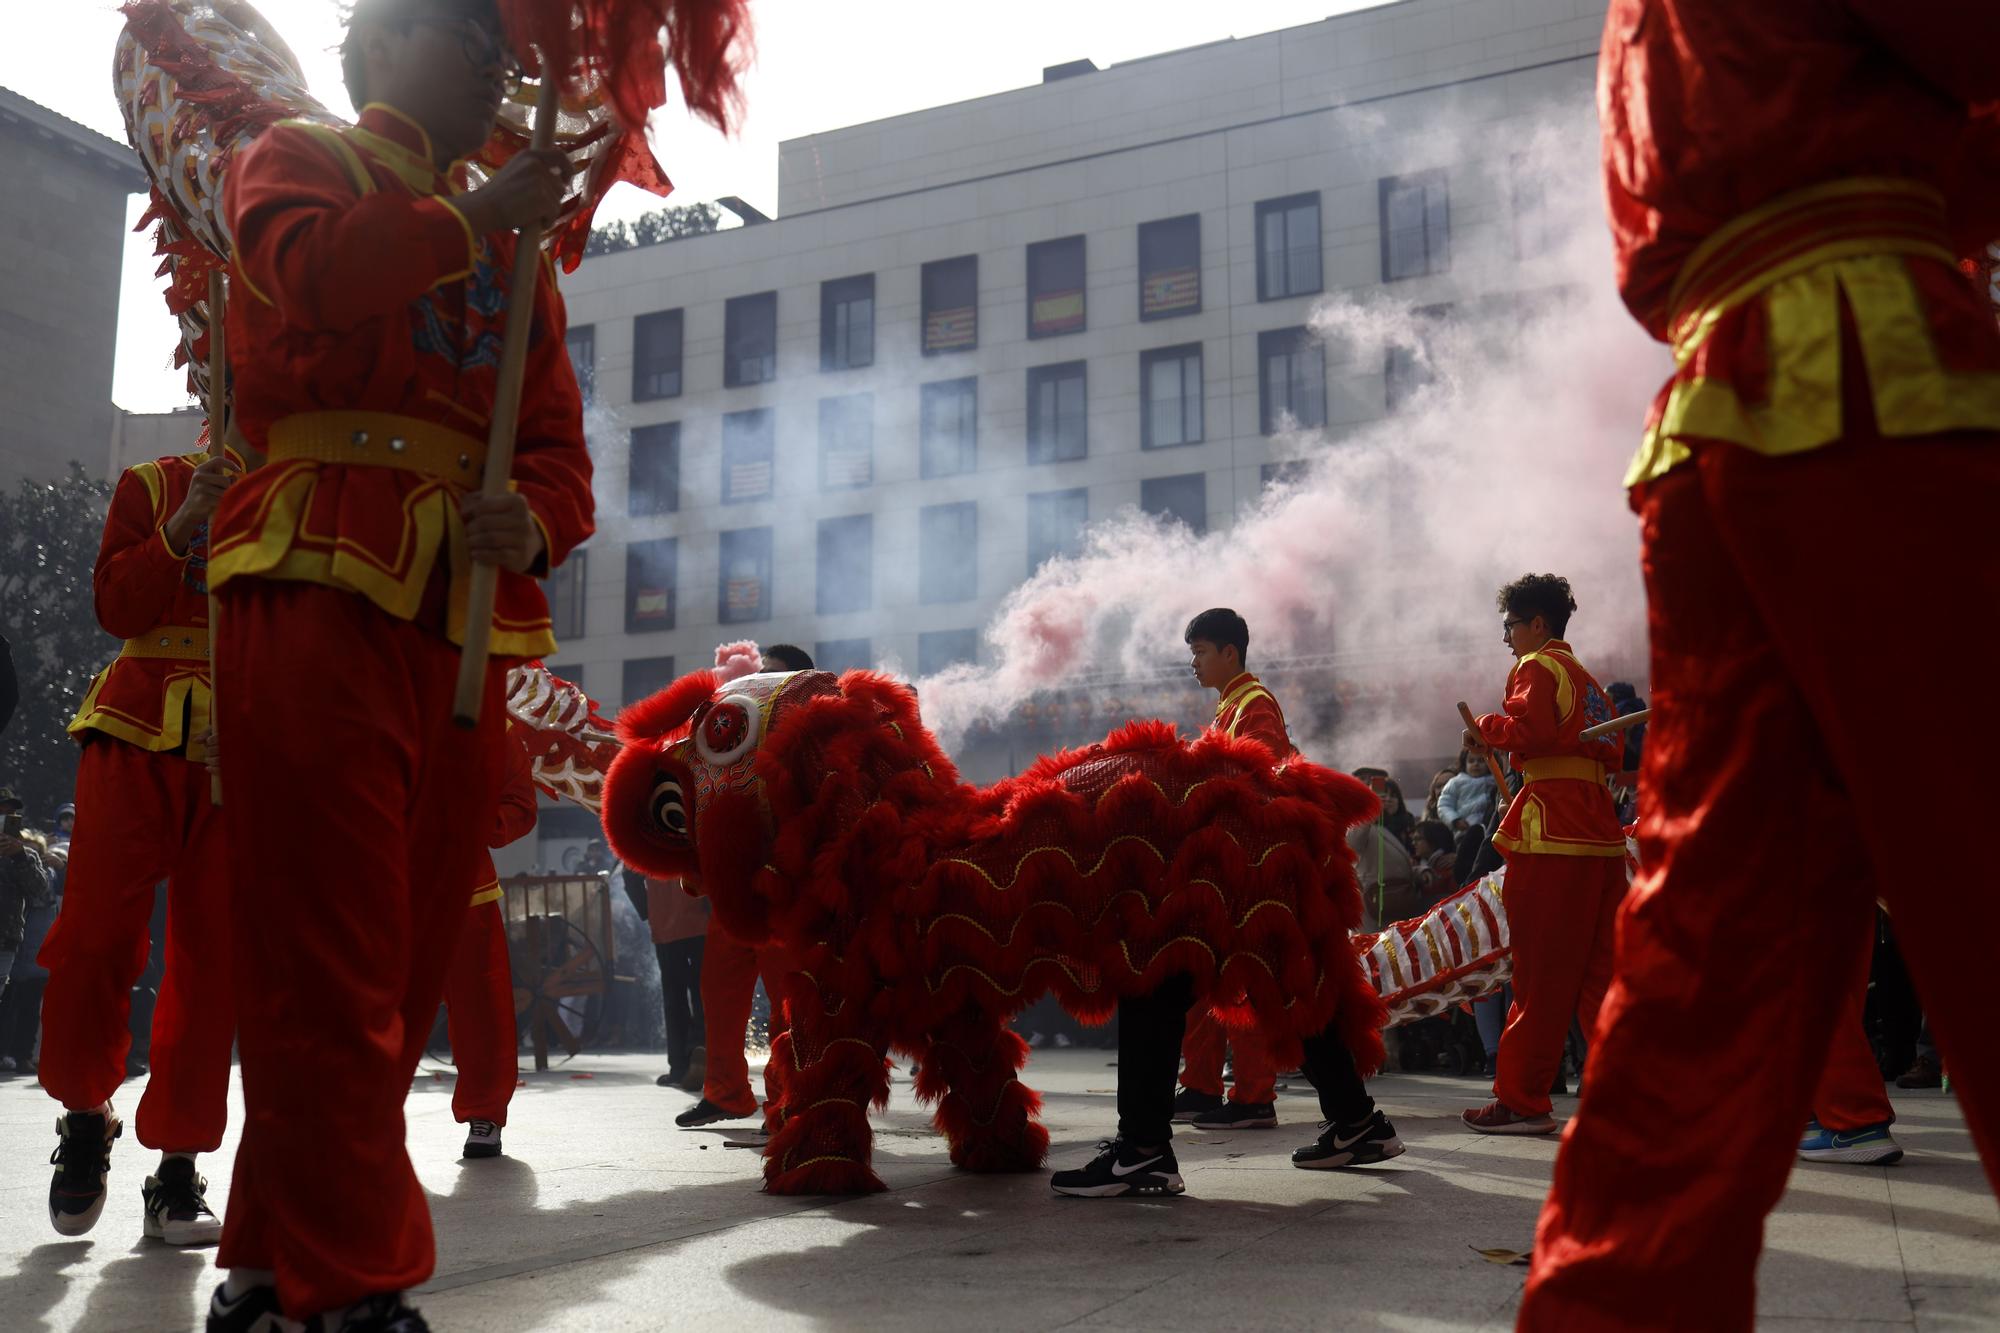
(973, 330)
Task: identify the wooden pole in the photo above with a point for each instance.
(485, 580)
(218, 436)
(1615, 725)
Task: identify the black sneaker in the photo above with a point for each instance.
(706, 1112)
(673, 1078)
(1121, 1169)
(177, 1210)
(82, 1160)
(255, 1311)
(383, 1313)
(1189, 1104)
(482, 1139)
(1373, 1140)
(1239, 1115)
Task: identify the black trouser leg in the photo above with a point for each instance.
(1343, 1098)
(1150, 1029)
(675, 973)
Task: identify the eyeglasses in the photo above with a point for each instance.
(482, 50)
(1507, 626)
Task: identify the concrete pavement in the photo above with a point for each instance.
(604, 1216)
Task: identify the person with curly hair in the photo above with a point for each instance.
(1564, 849)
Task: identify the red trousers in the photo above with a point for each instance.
(1256, 1078)
(729, 972)
(1561, 914)
(1851, 1092)
(357, 815)
(142, 818)
(1787, 728)
(479, 1012)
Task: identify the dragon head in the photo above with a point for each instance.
(687, 795)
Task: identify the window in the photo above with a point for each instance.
(745, 576)
(1170, 267)
(748, 455)
(1293, 379)
(847, 323)
(1056, 431)
(1290, 472)
(650, 575)
(656, 356)
(582, 344)
(1055, 524)
(950, 427)
(846, 563)
(1170, 396)
(564, 590)
(750, 340)
(846, 442)
(1534, 224)
(1055, 287)
(948, 552)
(645, 677)
(1288, 247)
(1406, 369)
(838, 655)
(951, 305)
(1183, 499)
(943, 648)
(1416, 225)
(655, 461)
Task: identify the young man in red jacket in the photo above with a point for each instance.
(370, 295)
(143, 816)
(1789, 184)
(1564, 847)
(1152, 1028)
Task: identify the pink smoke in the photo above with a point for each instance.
(741, 658)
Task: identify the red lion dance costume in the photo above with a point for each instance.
(920, 913)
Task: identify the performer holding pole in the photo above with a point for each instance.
(1789, 185)
(368, 330)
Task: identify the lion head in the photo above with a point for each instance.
(686, 796)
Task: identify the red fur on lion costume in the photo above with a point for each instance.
(921, 912)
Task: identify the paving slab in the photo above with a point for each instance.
(603, 1215)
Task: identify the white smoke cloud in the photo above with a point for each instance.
(1385, 555)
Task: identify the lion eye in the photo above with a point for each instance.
(670, 808)
(728, 730)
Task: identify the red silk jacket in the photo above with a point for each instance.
(359, 287)
(1564, 808)
(155, 693)
(1248, 709)
(1760, 173)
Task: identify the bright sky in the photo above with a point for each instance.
(820, 65)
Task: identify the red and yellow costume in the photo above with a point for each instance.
(1246, 710)
(479, 988)
(366, 325)
(143, 815)
(1789, 184)
(1565, 856)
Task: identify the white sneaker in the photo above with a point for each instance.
(177, 1210)
(482, 1139)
